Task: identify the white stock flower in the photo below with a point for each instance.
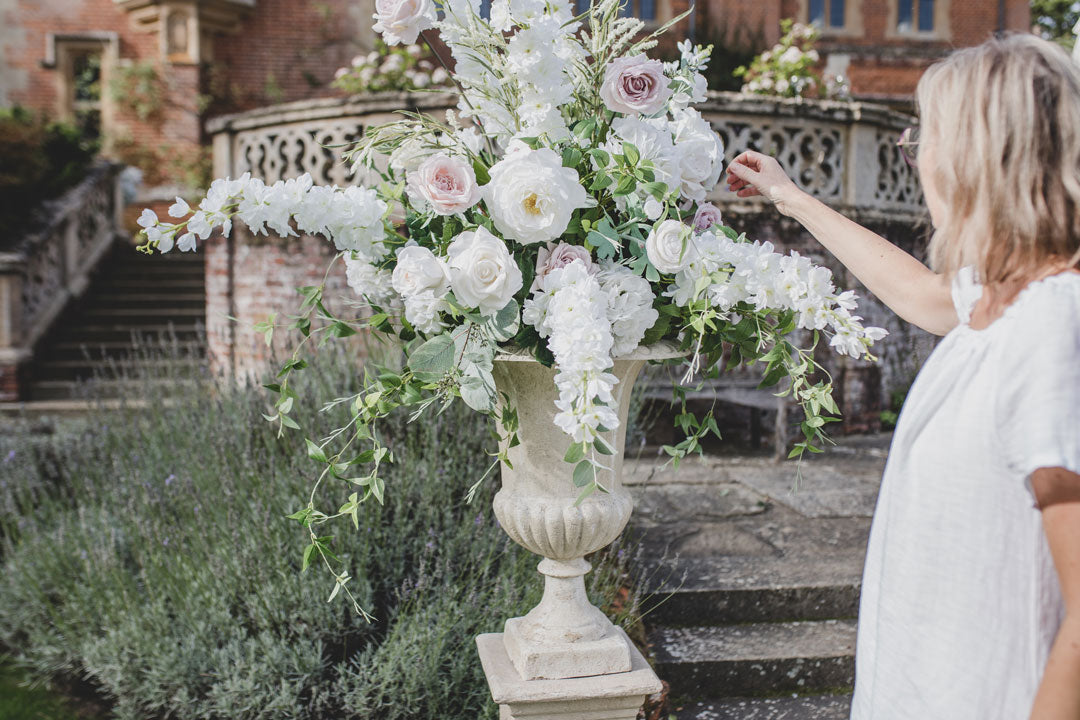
(531, 196)
(483, 274)
(401, 21)
(179, 208)
(418, 271)
(669, 246)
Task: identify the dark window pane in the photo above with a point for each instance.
(817, 12)
(836, 13)
(926, 15)
(648, 9)
(580, 6)
(903, 15)
(87, 76)
(485, 9)
(626, 8)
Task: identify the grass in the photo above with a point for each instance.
(145, 553)
(19, 702)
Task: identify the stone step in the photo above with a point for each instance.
(731, 590)
(805, 707)
(45, 390)
(755, 660)
(137, 311)
(143, 284)
(166, 298)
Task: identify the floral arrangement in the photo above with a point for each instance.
(560, 211)
(789, 68)
(403, 67)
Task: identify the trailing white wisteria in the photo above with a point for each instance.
(560, 210)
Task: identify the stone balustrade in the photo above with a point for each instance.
(844, 154)
(46, 269)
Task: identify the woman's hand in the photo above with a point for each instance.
(752, 173)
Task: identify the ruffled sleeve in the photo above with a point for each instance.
(1039, 403)
(966, 291)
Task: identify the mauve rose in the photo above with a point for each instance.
(400, 21)
(554, 257)
(447, 184)
(635, 85)
(706, 216)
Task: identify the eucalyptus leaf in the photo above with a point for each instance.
(434, 358)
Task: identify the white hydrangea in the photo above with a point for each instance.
(371, 282)
(629, 306)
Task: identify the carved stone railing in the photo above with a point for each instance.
(52, 265)
(844, 154)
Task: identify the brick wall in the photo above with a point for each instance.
(248, 278)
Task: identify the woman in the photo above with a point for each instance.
(971, 592)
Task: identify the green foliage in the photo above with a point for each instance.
(139, 88)
(39, 159)
(19, 702)
(1055, 20)
(149, 552)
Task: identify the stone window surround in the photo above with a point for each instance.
(60, 49)
(853, 19)
(941, 32)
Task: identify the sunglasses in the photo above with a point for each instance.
(909, 145)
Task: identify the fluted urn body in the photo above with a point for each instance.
(564, 636)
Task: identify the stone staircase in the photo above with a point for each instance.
(754, 589)
(140, 313)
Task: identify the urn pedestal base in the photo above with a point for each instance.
(615, 696)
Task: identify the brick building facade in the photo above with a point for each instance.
(164, 66)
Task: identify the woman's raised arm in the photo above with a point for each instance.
(909, 288)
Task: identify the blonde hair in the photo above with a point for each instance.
(1003, 120)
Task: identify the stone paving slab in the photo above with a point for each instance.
(811, 707)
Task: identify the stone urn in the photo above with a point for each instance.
(565, 636)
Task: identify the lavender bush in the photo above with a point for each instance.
(147, 552)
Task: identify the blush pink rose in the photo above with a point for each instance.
(400, 21)
(706, 216)
(635, 86)
(447, 185)
(554, 257)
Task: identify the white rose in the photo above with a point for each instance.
(531, 196)
(400, 21)
(669, 247)
(447, 185)
(701, 153)
(418, 270)
(482, 272)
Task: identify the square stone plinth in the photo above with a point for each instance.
(616, 696)
(537, 661)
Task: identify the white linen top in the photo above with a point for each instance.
(960, 600)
